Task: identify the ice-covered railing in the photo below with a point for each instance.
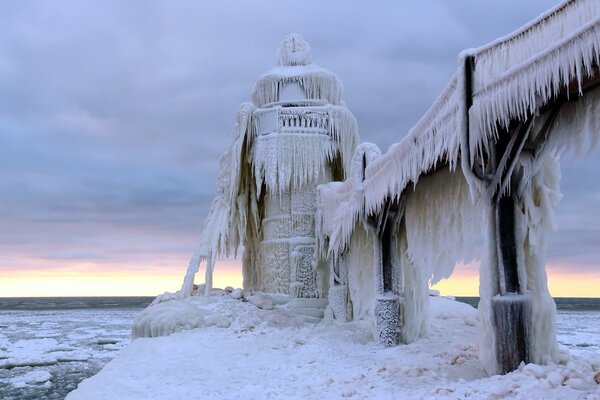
(526, 87)
(513, 77)
(342, 204)
(433, 141)
(558, 23)
(293, 146)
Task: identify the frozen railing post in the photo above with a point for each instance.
(388, 303)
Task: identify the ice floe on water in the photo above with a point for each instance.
(44, 354)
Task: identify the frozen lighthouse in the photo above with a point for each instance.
(295, 135)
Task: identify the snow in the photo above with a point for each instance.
(274, 354)
(166, 318)
(223, 309)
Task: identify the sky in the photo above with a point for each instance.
(113, 116)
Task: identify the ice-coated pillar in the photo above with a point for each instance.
(287, 250)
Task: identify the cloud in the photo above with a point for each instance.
(113, 115)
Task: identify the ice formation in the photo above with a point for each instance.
(491, 139)
(322, 217)
(295, 135)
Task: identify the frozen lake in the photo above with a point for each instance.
(48, 346)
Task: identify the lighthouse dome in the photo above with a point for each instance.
(297, 74)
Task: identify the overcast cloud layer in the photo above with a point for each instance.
(113, 114)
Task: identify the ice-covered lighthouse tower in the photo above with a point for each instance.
(295, 135)
(303, 136)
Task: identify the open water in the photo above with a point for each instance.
(49, 345)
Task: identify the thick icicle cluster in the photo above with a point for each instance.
(295, 67)
(518, 74)
(341, 204)
(292, 160)
(535, 217)
(225, 228)
(441, 223)
(317, 82)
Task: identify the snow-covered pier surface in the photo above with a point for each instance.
(243, 352)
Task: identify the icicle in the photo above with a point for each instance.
(434, 140)
(210, 266)
(296, 157)
(317, 83)
(521, 89)
(497, 57)
(341, 204)
(188, 281)
(441, 223)
(225, 228)
(284, 161)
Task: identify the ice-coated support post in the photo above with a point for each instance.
(388, 312)
(338, 301)
(388, 307)
(511, 319)
(511, 308)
